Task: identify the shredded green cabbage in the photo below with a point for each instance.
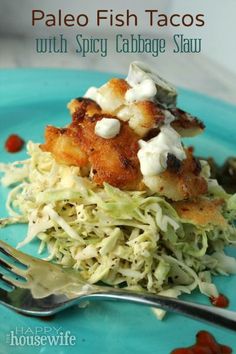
(121, 238)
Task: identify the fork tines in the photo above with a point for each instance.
(13, 255)
(11, 269)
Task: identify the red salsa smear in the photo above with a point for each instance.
(205, 344)
(14, 143)
(220, 301)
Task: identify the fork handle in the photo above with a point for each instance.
(212, 315)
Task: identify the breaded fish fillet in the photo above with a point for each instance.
(113, 160)
(143, 117)
(202, 211)
(64, 147)
(180, 181)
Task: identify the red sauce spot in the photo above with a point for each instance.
(205, 344)
(220, 301)
(14, 143)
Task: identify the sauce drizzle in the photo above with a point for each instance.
(220, 301)
(14, 143)
(205, 344)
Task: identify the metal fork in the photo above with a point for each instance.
(27, 280)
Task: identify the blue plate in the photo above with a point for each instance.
(30, 99)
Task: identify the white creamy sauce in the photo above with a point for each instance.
(139, 73)
(153, 153)
(142, 85)
(143, 91)
(107, 128)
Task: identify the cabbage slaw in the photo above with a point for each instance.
(121, 238)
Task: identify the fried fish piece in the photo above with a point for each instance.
(64, 147)
(84, 105)
(144, 117)
(185, 124)
(201, 211)
(112, 95)
(113, 160)
(180, 181)
(63, 143)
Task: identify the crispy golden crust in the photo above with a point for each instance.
(180, 181)
(116, 88)
(64, 148)
(142, 116)
(186, 181)
(85, 105)
(63, 143)
(185, 124)
(201, 211)
(145, 116)
(113, 93)
(113, 161)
